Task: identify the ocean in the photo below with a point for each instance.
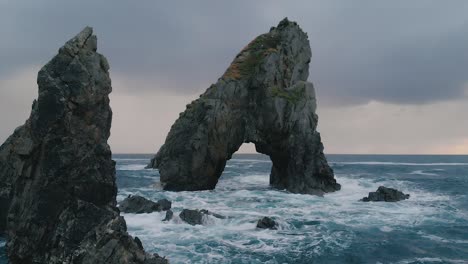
(430, 227)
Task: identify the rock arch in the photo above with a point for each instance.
(263, 98)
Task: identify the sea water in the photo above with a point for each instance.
(430, 227)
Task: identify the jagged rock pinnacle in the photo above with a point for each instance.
(57, 177)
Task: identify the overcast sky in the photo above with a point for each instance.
(391, 76)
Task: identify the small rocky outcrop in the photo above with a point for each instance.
(57, 177)
(384, 194)
(263, 98)
(169, 216)
(195, 217)
(138, 205)
(267, 223)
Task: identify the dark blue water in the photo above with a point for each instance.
(430, 227)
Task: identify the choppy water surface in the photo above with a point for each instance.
(430, 227)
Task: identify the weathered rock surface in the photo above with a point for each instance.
(267, 223)
(384, 194)
(57, 176)
(195, 217)
(263, 98)
(138, 205)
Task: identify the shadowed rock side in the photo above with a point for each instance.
(263, 98)
(56, 173)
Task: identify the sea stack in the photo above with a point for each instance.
(262, 98)
(57, 176)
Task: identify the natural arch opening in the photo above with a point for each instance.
(246, 170)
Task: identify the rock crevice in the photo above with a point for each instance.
(262, 98)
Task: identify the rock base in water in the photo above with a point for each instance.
(384, 194)
(169, 216)
(267, 223)
(195, 217)
(138, 205)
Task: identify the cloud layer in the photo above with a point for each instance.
(383, 70)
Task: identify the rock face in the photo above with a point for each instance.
(267, 223)
(263, 98)
(384, 194)
(56, 173)
(139, 205)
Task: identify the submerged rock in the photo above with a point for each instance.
(195, 217)
(138, 205)
(263, 98)
(267, 223)
(384, 194)
(57, 176)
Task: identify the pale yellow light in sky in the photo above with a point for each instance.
(142, 120)
(457, 148)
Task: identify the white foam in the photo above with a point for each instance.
(397, 163)
(146, 160)
(251, 160)
(432, 260)
(131, 167)
(246, 198)
(386, 229)
(441, 239)
(420, 172)
(245, 207)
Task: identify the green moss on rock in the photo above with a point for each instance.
(245, 64)
(292, 96)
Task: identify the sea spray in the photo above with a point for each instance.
(332, 228)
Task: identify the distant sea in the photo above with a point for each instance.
(430, 227)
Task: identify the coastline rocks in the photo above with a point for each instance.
(57, 175)
(195, 217)
(262, 98)
(267, 223)
(138, 205)
(384, 194)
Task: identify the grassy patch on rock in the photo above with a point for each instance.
(246, 62)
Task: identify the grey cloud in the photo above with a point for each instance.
(398, 51)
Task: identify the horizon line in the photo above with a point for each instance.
(377, 154)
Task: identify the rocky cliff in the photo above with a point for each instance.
(263, 98)
(57, 178)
